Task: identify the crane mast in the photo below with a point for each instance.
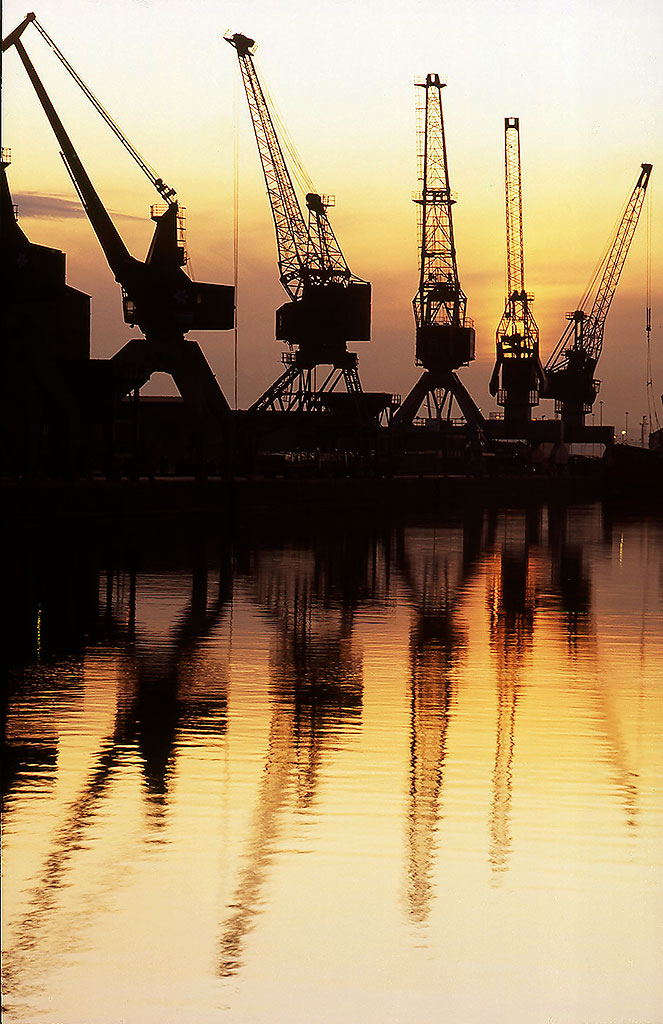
(444, 334)
(571, 367)
(445, 338)
(517, 374)
(328, 305)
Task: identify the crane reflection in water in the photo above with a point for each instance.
(436, 566)
(511, 603)
(316, 687)
(570, 534)
(162, 691)
(163, 624)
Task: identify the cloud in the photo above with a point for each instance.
(35, 205)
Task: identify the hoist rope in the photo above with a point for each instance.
(651, 402)
(591, 288)
(236, 129)
(149, 171)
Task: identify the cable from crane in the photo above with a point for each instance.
(236, 226)
(592, 288)
(651, 402)
(296, 166)
(603, 259)
(164, 190)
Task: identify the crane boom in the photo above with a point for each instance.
(292, 238)
(328, 305)
(569, 372)
(115, 250)
(164, 190)
(513, 196)
(615, 263)
(308, 253)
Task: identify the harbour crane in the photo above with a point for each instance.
(444, 333)
(157, 295)
(517, 376)
(569, 372)
(328, 305)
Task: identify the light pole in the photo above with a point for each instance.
(600, 412)
(626, 428)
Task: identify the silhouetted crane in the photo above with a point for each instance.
(158, 296)
(517, 339)
(569, 373)
(328, 305)
(444, 333)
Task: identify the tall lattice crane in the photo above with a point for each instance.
(157, 295)
(328, 305)
(444, 332)
(517, 374)
(571, 367)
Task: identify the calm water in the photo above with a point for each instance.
(413, 774)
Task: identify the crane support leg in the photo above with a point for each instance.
(470, 410)
(273, 397)
(410, 406)
(133, 365)
(452, 386)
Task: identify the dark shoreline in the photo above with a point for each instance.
(95, 503)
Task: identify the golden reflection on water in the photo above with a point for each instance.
(403, 774)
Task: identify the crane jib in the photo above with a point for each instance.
(164, 190)
(587, 329)
(308, 252)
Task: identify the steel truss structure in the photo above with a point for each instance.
(444, 332)
(518, 375)
(571, 367)
(328, 305)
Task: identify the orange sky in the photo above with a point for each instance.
(585, 79)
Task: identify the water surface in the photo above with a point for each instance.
(406, 774)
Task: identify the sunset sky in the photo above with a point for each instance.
(584, 77)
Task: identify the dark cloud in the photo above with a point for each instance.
(33, 204)
(53, 207)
